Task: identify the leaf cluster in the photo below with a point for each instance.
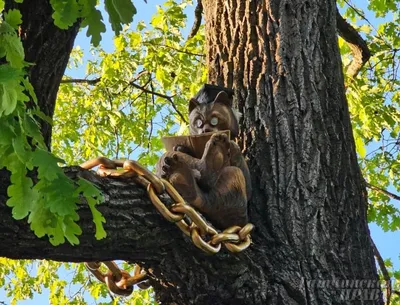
(374, 102)
(132, 96)
(50, 202)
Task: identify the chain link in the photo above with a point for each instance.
(118, 281)
(235, 239)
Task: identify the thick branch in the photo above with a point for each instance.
(358, 46)
(136, 232)
(126, 208)
(197, 19)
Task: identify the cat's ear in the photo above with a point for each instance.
(193, 103)
(223, 98)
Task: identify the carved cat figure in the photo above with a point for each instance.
(218, 184)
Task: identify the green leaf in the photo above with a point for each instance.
(95, 26)
(93, 197)
(13, 48)
(58, 196)
(71, 231)
(56, 234)
(32, 129)
(119, 12)
(8, 99)
(125, 9)
(5, 28)
(13, 17)
(120, 43)
(47, 164)
(98, 219)
(7, 73)
(18, 144)
(40, 218)
(21, 193)
(66, 12)
(29, 88)
(360, 147)
(7, 132)
(113, 17)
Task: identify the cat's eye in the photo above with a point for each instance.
(214, 121)
(199, 123)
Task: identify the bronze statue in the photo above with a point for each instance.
(217, 184)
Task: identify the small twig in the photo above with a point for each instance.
(81, 80)
(381, 190)
(363, 17)
(197, 19)
(110, 295)
(384, 271)
(151, 120)
(357, 44)
(133, 84)
(98, 79)
(140, 74)
(172, 48)
(145, 116)
(168, 98)
(117, 143)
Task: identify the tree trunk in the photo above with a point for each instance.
(48, 47)
(308, 204)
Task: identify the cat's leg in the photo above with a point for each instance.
(216, 156)
(225, 203)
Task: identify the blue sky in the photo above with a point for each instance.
(385, 241)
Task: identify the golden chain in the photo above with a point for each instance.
(235, 239)
(119, 281)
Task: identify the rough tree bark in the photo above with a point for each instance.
(48, 47)
(309, 204)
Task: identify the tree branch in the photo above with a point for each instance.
(358, 46)
(383, 191)
(197, 19)
(128, 208)
(80, 81)
(173, 48)
(167, 97)
(136, 232)
(133, 84)
(384, 271)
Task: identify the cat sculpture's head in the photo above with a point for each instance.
(213, 114)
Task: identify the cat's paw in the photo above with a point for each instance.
(217, 152)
